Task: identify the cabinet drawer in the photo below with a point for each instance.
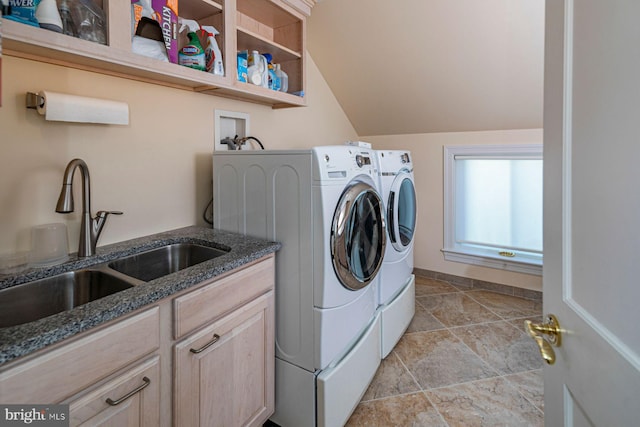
(70, 368)
(222, 296)
(141, 408)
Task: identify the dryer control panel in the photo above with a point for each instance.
(343, 162)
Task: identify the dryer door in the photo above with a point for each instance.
(358, 237)
(401, 211)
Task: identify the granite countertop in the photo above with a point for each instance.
(20, 340)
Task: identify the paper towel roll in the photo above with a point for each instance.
(80, 109)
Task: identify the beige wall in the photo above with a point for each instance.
(157, 169)
(427, 151)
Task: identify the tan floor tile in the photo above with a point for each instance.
(492, 402)
(502, 346)
(507, 306)
(460, 367)
(391, 379)
(423, 321)
(426, 286)
(438, 358)
(456, 309)
(530, 385)
(398, 411)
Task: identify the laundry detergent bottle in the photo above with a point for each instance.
(192, 54)
(257, 69)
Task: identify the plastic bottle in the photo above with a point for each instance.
(257, 71)
(48, 16)
(273, 79)
(68, 26)
(284, 79)
(212, 52)
(192, 54)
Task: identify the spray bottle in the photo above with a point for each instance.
(212, 52)
(192, 54)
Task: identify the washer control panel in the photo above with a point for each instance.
(362, 160)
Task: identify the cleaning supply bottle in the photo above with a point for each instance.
(48, 16)
(274, 80)
(284, 79)
(257, 70)
(212, 52)
(68, 25)
(192, 54)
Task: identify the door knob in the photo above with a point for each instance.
(550, 330)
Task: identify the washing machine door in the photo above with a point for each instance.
(358, 237)
(401, 211)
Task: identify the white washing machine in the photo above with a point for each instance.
(396, 293)
(322, 205)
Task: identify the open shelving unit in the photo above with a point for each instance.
(273, 26)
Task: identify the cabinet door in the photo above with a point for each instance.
(224, 374)
(130, 399)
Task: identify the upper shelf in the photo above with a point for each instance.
(117, 59)
(199, 9)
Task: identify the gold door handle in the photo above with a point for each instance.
(551, 330)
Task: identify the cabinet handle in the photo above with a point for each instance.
(111, 402)
(215, 339)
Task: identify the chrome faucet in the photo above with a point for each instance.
(90, 228)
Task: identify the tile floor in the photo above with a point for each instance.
(465, 360)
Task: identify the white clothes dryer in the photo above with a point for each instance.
(396, 293)
(323, 206)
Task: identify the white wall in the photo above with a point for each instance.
(157, 169)
(427, 152)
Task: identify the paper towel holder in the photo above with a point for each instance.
(34, 100)
(61, 107)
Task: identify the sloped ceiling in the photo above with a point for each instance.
(421, 66)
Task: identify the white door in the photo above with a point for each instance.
(358, 236)
(592, 211)
(401, 211)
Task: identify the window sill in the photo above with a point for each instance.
(520, 266)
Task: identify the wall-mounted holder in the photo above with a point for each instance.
(78, 109)
(34, 100)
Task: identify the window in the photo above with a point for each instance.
(493, 206)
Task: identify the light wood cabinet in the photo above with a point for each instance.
(274, 26)
(57, 374)
(211, 347)
(224, 363)
(224, 373)
(131, 399)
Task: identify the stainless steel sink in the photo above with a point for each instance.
(41, 298)
(168, 259)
